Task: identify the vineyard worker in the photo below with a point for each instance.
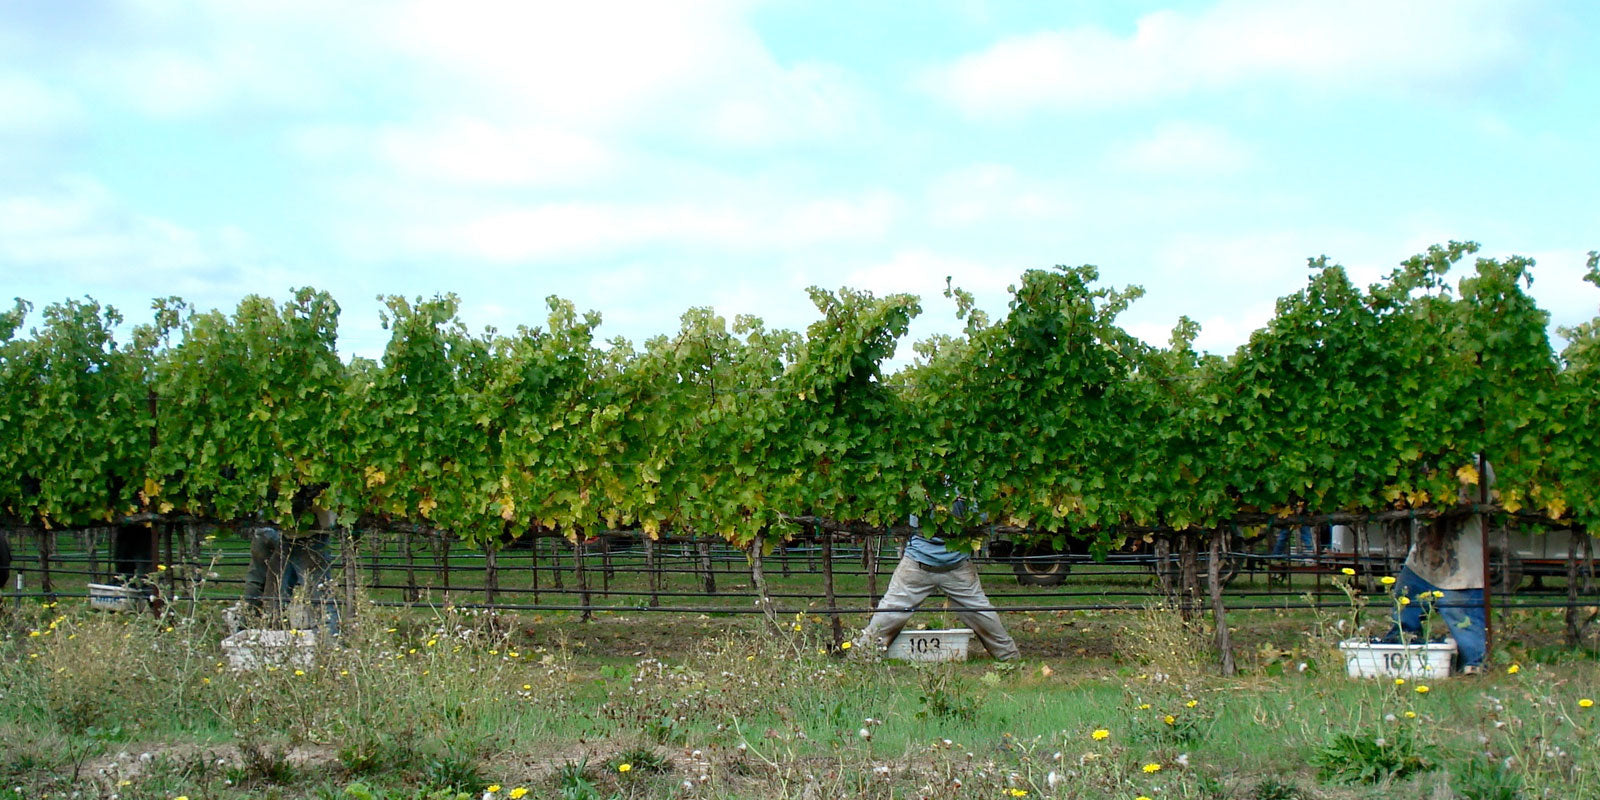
(927, 565)
(1446, 559)
(287, 561)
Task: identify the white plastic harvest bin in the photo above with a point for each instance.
(1363, 659)
(948, 644)
(109, 597)
(253, 648)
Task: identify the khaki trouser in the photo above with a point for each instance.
(912, 584)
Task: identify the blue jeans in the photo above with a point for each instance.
(1461, 610)
(1280, 545)
(289, 563)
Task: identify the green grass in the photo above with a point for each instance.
(516, 699)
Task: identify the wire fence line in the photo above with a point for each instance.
(833, 574)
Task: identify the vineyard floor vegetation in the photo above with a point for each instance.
(434, 702)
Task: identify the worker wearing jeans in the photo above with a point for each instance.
(1444, 572)
(927, 565)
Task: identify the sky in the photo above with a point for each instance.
(642, 158)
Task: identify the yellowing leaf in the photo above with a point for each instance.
(1556, 508)
(1468, 475)
(151, 488)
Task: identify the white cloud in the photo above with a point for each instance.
(603, 66)
(76, 238)
(520, 233)
(922, 272)
(1358, 44)
(477, 152)
(982, 193)
(1185, 148)
(32, 108)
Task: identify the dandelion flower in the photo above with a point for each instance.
(1100, 734)
(1191, 704)
(1144, 706)
(1348, 571)
(527, 687)
(1422, 689)
(1403, 600)
(299, 673)
(1142, 797)
(1411, 715)
(795, 626)
(1438, 595)
(1513, 669)
(1148, 768)
(1169, 719)
(517, 793)
(1387, 580)
(1017, 792)
(1585, 703)
(1399, 681)
(844, 645)
(624, 767)
(492, 788)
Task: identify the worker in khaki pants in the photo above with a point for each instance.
(927, 565)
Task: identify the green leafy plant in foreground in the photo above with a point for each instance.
(1359, 758)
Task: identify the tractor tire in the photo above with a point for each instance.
(1041, 567)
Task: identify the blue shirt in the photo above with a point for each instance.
(933, 552)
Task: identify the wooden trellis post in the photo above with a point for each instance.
(46, 540)
(350, 557)
(1190, 575)
(583, 579)
(869, 564)
(491, 572)
(758, 577)
(533, 567)
(1163, 552)
(412, 592)
(1218, 609)
(1574, 629)
(827, 587)
(653, 571)
(702, 547)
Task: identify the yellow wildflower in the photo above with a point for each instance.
(1513, 669)
(1144, 706)
(1347, 571)
(1387, 580)
(1191, 704)
(844, 645)
(1152, 768)
(624, 767)
(1100, 734)
(1585, 703)
(492, 788)
(1422, 689)
(517, 793)
(1399, 681)
(1169, 719)
(1411, 715)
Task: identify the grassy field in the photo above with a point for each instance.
(445, 703)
